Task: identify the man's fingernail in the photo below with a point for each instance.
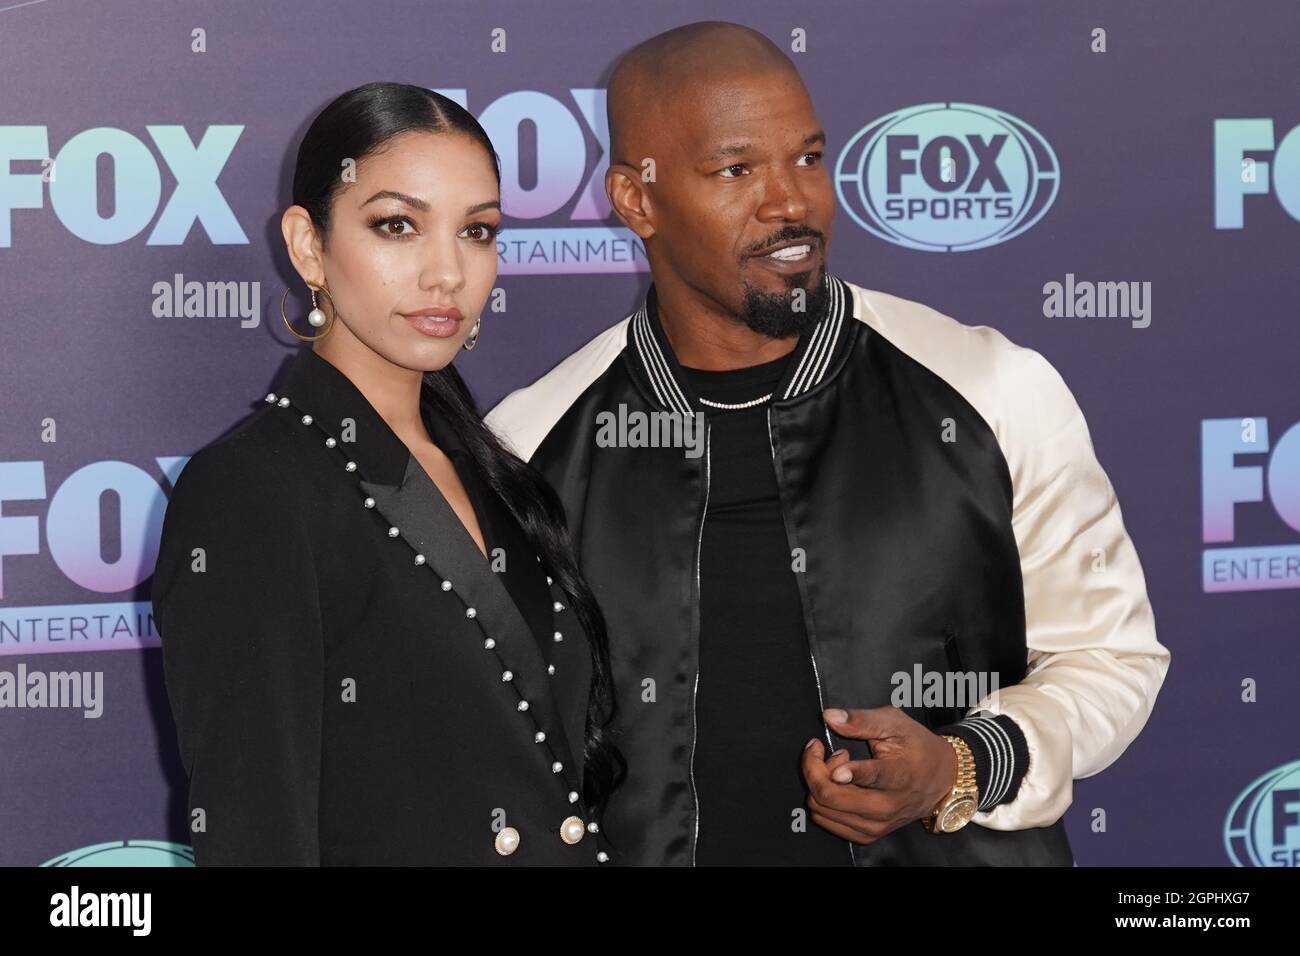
(842, 774)
(837, 716)
(838, 752)
(809, 744)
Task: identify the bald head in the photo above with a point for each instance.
(657, 78)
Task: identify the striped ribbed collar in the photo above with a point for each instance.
(662, 375)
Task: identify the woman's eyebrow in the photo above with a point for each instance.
(419, 204)
(423, 206)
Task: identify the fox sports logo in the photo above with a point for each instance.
(1263, 824)
(947, 177)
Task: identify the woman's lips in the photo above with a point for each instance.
(439, 327)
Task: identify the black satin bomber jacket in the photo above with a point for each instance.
(942, 488)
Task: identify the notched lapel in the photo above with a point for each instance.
(429, 525)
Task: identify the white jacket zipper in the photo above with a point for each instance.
(699, 545)
(811, 656)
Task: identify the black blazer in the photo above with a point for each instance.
(351, 682)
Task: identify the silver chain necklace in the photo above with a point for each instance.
(726, 405)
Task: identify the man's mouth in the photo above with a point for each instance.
(791, 253)
(790, 258)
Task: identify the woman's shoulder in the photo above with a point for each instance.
(248, 467)
(232, 515)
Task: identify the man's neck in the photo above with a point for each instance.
(706, 338)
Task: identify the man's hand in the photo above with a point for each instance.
(862, 800)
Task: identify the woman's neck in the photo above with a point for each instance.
(394, 391)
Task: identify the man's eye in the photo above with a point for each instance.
(736, 166)
(817, 156)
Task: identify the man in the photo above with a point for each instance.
(881, 494)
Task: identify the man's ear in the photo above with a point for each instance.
(630, 199)
(303, 245)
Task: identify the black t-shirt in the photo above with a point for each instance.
(756, 703)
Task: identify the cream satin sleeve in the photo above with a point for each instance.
(1095, 665)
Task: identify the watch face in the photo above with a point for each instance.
(957, 815)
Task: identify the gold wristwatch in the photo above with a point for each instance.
(956, 809)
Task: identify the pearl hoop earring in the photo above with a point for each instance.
(316, 317)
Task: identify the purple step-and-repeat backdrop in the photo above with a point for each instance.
(1101, 157)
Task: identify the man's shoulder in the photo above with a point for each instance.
(1007, 383)
(524, 417)
(929, 335)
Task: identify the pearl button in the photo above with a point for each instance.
(548, 579)
(550, 669)
(573, 796)
(330, 442)
(393, 532)
(350, 466)
(572, 830)
(507, 675)
(593, 827)
(270, 396)
(283, 402)
(557, 767)
(419, 559)
(602, 857)
(558, 637)
(446, 585)
(306, 419)
(558, 607)
(369, 502)
(523, 705)
(539, 737)
(507, 841)
(489, 643)
(470, 612)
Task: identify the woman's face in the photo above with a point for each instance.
(415, 233)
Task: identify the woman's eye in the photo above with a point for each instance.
(485, 232)
(385, 226)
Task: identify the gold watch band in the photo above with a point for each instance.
(958, 806)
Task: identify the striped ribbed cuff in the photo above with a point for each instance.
(1001, 755)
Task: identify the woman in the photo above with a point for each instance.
(377, 644)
